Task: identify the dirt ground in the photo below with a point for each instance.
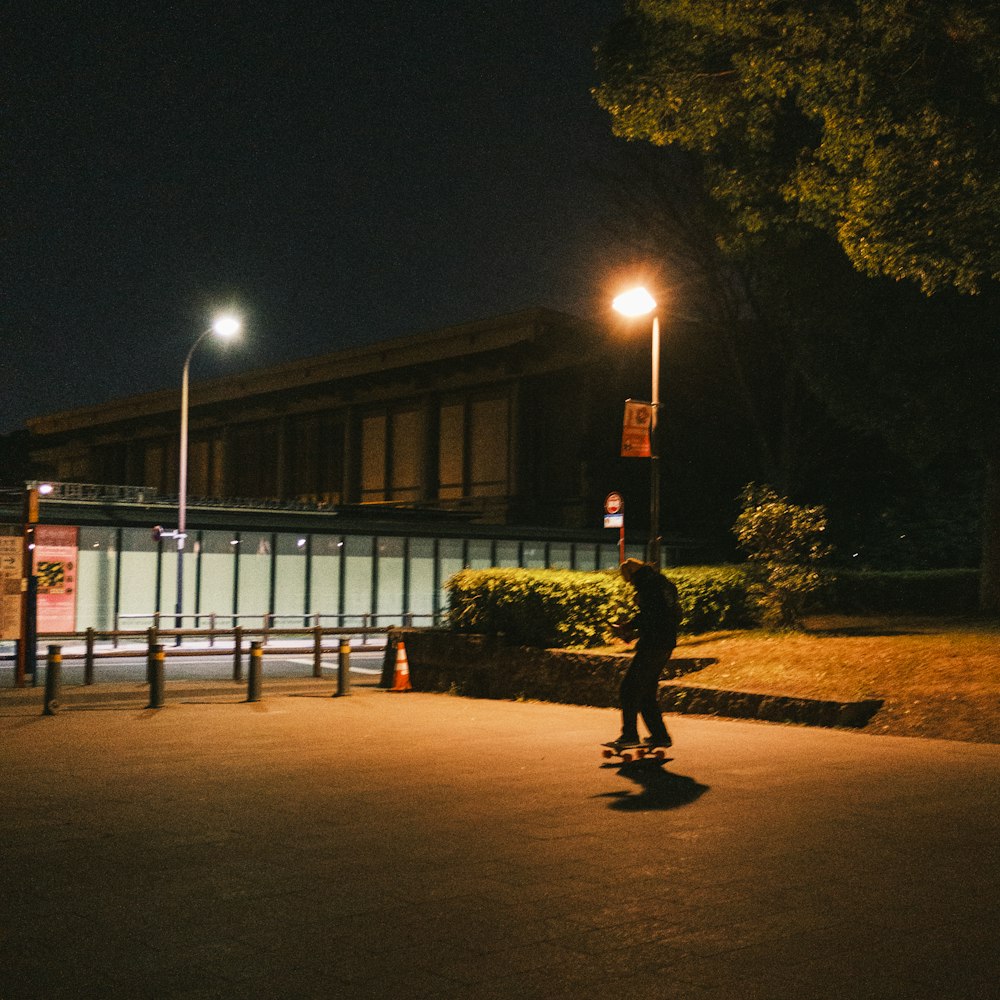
(938, 677)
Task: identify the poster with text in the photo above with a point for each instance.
(11, 547)
(56, 560)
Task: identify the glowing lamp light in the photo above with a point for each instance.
(635, 302)
(227, 326)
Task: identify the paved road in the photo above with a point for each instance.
(415, 845)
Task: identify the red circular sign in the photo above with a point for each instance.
(613, 503)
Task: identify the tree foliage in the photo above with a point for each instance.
(874, 120)
(784, 542)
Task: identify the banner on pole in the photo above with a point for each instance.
(635, 429)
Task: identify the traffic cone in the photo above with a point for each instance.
(401, 680)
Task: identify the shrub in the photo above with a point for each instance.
(555, 609)
(547, 608)
(561, 608)
(783, 542)
(712, 597)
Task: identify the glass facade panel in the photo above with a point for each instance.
(333, 572)
(508, 554)
(168, 578)
(290, 579)
(358, 565)
(422, 597)
(218, 567)
(255, 551)
(533, 555)
(390, 581)
(480, 553)
(137, 588)
(324, 577)
(449, 563)
(608, 556)
(95, 579)
(560, 555)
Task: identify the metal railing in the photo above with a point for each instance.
(209, 642)
(368, 623)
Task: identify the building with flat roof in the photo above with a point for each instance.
(348, 486)
(496, 418)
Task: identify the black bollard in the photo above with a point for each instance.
(88, 662)
(156, 672)
(317, 652)
(255, 671)
(238, 654)
(53, 680)
(344, 668)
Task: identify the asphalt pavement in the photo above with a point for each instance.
(417, 845)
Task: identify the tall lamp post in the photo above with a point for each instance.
(633, 303)
(225, 327)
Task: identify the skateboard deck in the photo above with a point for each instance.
(629, 754)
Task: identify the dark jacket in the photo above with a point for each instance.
(659, 613)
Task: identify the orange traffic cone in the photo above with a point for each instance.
(401, 680)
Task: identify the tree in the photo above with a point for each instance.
(875, 123)
(784, 542)
(875, 120)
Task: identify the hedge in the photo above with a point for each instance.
(566, 608)
(559, 609)
(930, 591)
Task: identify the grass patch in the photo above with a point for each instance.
(939, 678)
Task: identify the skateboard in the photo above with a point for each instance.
(629, 754)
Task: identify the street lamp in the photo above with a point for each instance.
(225, 327)
(633, 303)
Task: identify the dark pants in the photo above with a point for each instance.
(639, 690)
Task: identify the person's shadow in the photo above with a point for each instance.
(658, 788)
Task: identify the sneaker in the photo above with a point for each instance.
(662, 742)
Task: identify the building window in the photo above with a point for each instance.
(407, 450)
(451, 452)
(489, 442)
(253, 466)
(315, 446)
(373, 458)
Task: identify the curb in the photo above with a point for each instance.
(687, 700)
(481, 667)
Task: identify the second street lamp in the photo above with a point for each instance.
(633, 303)
(225, 327)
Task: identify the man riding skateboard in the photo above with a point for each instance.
(656, 628)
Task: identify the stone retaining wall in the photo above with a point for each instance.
(484, 667)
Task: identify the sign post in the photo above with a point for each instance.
(614, 517)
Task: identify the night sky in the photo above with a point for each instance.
(340, 172)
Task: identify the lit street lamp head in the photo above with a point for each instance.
(227, 326)
(634, 302)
